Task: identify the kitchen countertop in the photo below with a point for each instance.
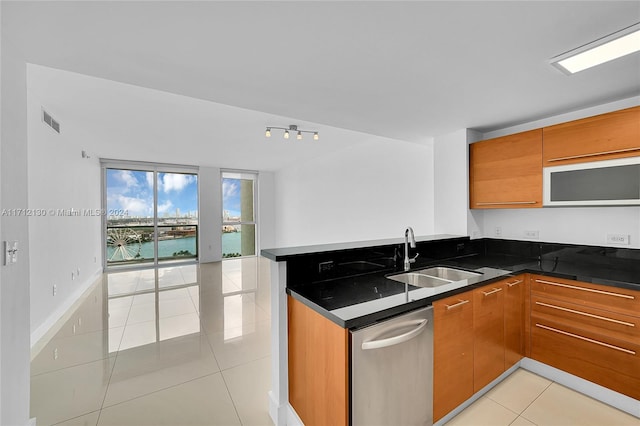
(362, 299)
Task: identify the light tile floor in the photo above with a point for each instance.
(526, 399)
(176, 345)
(190, 345)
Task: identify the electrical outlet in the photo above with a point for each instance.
(532, 234)
(498, 231)
(55, 289)
(618, 239)
(325, 266)
(55, 353)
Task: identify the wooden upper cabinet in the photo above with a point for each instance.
(601, 137)
(506, 172)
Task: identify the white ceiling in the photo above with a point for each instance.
(404, 70)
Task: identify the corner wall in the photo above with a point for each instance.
(372, 190)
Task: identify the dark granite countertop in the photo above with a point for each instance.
(362, 299)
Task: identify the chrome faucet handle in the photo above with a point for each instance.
(413, 259)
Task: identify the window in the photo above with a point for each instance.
(239, 224)
(151, 214)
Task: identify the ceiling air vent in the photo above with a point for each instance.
(46, 117)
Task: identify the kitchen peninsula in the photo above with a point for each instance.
(346, 284)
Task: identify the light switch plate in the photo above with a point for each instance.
(10, 252)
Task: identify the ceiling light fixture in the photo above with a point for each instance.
(293, 128)
(605, 49)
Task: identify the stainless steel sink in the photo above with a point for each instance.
(419, 280)
(433, 277)
(450, 274)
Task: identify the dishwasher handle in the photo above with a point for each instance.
(401, 338)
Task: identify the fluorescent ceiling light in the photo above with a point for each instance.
(613, 46)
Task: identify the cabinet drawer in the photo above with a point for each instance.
(586, 294)
(607, 361)
(613, 324)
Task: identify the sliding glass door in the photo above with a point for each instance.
(151, 214)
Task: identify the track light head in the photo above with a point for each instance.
(286, 134)
(268, 132)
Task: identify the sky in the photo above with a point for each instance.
(132, 191)
(231, 196)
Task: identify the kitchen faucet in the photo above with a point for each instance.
(408, 261)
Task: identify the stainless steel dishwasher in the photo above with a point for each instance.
(392, 371)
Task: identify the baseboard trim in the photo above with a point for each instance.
(283, 415)
(43, 333)
(615, 399)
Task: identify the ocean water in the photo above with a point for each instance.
(231, 243)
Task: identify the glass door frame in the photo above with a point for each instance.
(154, 168)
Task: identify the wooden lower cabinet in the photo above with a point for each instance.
(589, 330)
(318, 367)
(488, 334)
(477, 336)
(515, 315)
(452, 353)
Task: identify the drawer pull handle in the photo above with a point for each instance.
(594, 154)
(629, 324)
(591, 290)
(505, 203)
(586, 339)
(514, 283)
(489, 293)
(455, 305)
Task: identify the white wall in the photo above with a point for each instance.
(210, 205)
(266, 210)
(451, 181)
(14, 300)
(369, 191)
(61, 243)
(573, 225)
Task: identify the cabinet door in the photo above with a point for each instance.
(601, 137)
(506, 172)
(514, 320)
(488, 327)
(318, 367)
(452, 353)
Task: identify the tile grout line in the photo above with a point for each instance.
(115, 361)
(535, 399)
(231, 397)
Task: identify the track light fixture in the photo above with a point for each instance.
(292, 128)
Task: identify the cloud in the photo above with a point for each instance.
(134, 206)
(164, 207)
(230, 188)
(175, 182)
(128, 178)
(149, 178)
